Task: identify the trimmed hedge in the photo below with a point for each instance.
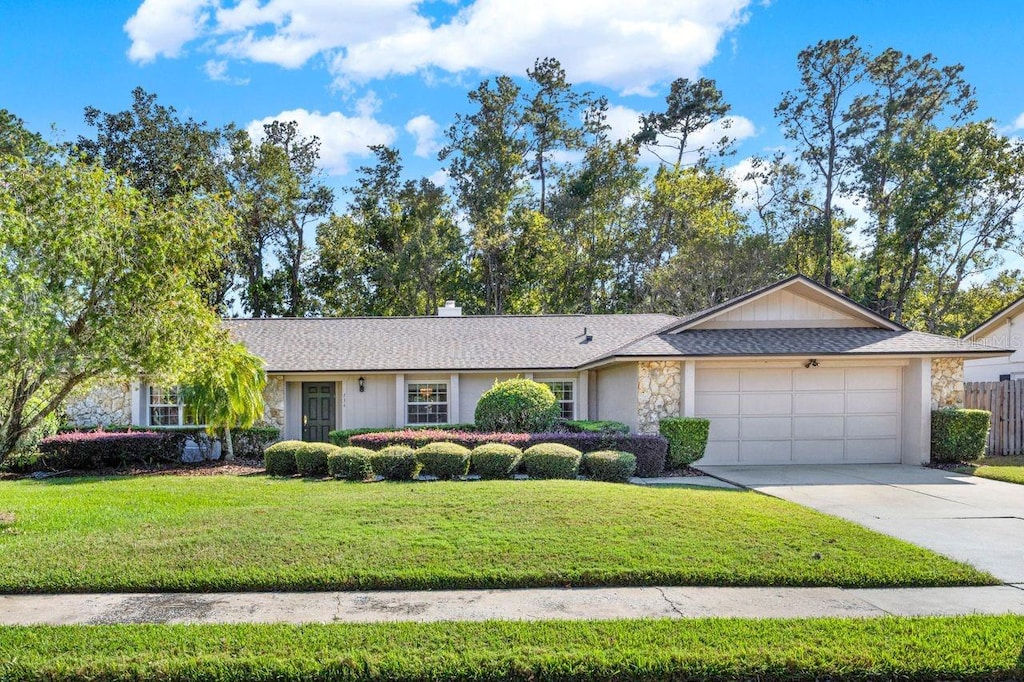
(517, 405)
(595, 426)
(98, 449)
(447, 461)
(341, 436)
(350, 464)
(279, 458)
(495, 460)
(311, 460)
(609, 465)
(959, 435)
(396, 463)
(687, 439)
(551, 460)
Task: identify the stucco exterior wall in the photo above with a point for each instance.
(102, 405)
(1007, 335)
(659, 393)
(617, 394)
(471, 387)
(375, 406)
(947, 382)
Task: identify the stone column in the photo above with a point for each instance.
(659, 393)
(947, 382)
(101, 405)
(273, 402)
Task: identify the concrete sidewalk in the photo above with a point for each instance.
(529, 604)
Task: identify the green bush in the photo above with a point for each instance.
(495, 460)
(279, 458)
(311, 459)
(350, 464)
(687, 439)
(959, 435)
(395, 463)
(447, 461)
(250, 443)
(551, 460)
(595, 426)
(341, 436)
(609, 465)
(517, 405)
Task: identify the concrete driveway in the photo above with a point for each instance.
(970, 519)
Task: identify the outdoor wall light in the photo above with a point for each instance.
(362, 384)
(813, 362)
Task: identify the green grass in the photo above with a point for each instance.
(1009, 469)
(219, 533)
(964, 648)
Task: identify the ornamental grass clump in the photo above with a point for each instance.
(609, 465)
(495, 460)
(551, 460)
(350, 464)
(447, 461)
(396, 463)
(517, 405)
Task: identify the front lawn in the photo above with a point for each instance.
(965, 648)
(1009, 469)
(167, 533)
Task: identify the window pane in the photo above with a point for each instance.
(166, 415)
(427, 403)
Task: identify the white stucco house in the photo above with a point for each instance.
(791, 373)
(1005, 329)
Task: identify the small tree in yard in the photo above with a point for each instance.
(96, 284)
(227, 392)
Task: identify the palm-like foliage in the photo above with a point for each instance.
(227, 392)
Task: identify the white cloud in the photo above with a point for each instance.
(217, 70)
(368, 105)
(1018, 123)
(628, 46)
(439, 177)
(161, 28)
(425, 130)
(340, 136)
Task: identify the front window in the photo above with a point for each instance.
(166, 408)
(427, 403)
(564, 394)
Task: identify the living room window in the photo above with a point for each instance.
(166, 408)
(565, 394)
(426, 402)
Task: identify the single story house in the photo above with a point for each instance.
(1005, 331)
(790, 373)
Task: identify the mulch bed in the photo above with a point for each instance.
(239, 467)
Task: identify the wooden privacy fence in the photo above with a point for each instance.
(1005, 400)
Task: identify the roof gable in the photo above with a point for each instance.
(796, 302)
(989, 325)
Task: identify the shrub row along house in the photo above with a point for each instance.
(793, 372)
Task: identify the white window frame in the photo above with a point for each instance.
(179, 405)
(567, 380)
(431, 382)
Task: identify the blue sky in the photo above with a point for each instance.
(358, 72)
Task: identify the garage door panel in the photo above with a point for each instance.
(873, 402)
(819, 403)
(818, 427)
(714, 404)
(717, 380)
(766, 452)
(769, 380)
(872, 378)
(724, 428)
(872, 450)
(822, 451)
(766, 428)
(766, 403)
(820, 379)
(872, 426)
(722, 453)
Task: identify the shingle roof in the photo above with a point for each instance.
(439, 343)
(801, 341)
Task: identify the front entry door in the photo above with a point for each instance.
(317, 411)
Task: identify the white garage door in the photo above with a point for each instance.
(801, 415)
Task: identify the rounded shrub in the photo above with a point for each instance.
(517, 405)
(609, 465)
(687, 439)
(279, 458)
(959, 435)
(551, 460)
(495, 460)
(395, 463)
(311, 458)
(447, 461)
(350, 463)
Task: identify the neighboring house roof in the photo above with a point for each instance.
(559, 342)
(513, 342)
(988, 325)
(800, 341)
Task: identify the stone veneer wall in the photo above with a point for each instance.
(102, 405)
(273, 402)
(659, 393)
(947, 382)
